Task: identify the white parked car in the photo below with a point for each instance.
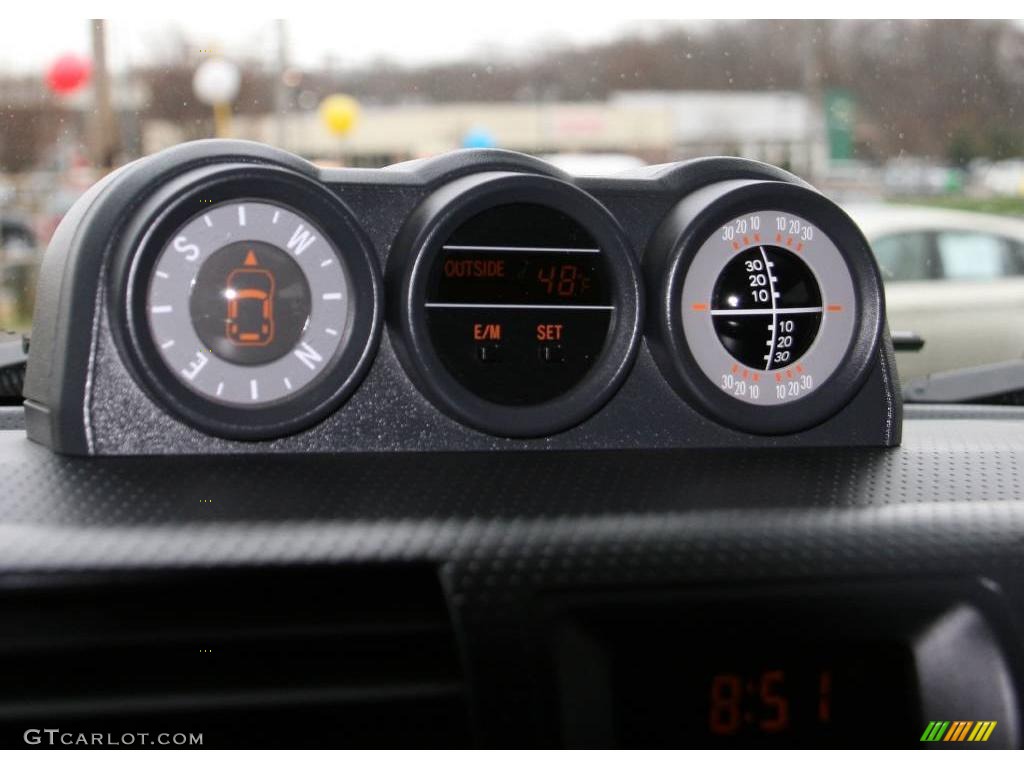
(954, 278)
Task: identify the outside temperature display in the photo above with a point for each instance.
(518, 275)
(519, 304)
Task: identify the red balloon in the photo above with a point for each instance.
(68, 73)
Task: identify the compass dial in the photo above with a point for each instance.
(248, 302)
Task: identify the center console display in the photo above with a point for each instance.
(756, 691)
(842, 667)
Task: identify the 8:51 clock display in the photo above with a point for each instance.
(736, 695)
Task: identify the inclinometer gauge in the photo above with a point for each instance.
(770, 304)
(768, 308)
(519, 303)
(248, 313)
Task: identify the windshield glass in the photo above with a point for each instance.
(913, 126)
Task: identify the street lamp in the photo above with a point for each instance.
(216, 83)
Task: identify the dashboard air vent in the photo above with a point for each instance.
(277, 657)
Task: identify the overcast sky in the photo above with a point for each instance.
(30, 45)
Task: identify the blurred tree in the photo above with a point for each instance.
(947, 89)
(1003, 142)
(963, 147)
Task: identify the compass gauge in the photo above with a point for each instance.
(247, 303)
(249, 316)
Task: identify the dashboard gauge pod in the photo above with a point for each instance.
(768, 306)
(247, 300)
(516, 302)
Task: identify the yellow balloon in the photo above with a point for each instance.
(339, 113)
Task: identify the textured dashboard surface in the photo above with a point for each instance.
(955, 489)
(513, 530)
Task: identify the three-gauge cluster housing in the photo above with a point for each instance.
(250, 298)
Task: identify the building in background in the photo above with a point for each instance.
(653, 126)
(773, 126)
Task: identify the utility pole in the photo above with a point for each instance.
(280, 86)
(104, 126)
(815, 135)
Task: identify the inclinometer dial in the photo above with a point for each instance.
(766, 283)
(769, 304)
(768, 307)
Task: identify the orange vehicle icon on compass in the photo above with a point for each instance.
(250, 294)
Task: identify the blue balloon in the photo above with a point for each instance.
(478, 138)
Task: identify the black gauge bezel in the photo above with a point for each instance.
(685, 229)
(419, 243)
(163, 214)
